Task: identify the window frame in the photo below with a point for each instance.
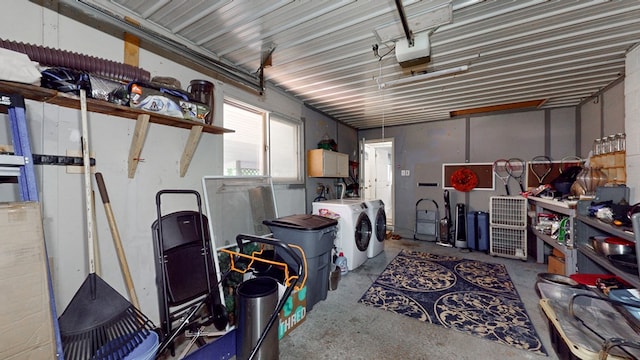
(267, 118)
(263, 158)
(299, 125)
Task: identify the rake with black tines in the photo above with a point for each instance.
(99, 323)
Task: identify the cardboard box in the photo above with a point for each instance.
(26, 325)
(557, 253)
(293, 313)
(556, 265)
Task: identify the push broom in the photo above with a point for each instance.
(99, 323)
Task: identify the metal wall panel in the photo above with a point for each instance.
(562, 133)
(613, 110)
(505, 136)
(590, 125)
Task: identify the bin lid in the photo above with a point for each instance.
(302, 222)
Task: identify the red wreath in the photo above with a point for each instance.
(464, 180)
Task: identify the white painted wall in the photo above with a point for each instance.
(55, 129)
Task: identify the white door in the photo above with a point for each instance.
(377, 182)
(369, 173)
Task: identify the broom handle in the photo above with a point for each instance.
(87, 180)
(96, 246)
(117, 241)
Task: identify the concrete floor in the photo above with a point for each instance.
(341, 328)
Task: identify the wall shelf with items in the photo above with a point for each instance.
(567, 248)
(589, 261)
(143, 118)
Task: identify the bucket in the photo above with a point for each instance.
(202, 91)
(257, 301)
(144, 350)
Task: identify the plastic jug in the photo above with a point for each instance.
(341, 262)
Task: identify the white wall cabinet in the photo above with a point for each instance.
(325, 163)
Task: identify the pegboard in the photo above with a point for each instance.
(484, 171)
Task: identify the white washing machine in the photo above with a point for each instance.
(354, 228)
(375, 210)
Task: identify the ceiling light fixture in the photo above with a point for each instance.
(425, 76)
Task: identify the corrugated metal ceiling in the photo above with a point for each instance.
(555, 52)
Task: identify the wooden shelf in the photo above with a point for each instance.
(99, 106)
(563, 207)
(608, 228)
(143, 118)
(589, 261)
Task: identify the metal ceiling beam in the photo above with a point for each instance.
(405, 25)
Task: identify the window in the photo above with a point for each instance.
(286, 149)
(244, 149)
(263, 144)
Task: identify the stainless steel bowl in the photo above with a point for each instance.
(555, 286)
(596, 243)
(605, 247)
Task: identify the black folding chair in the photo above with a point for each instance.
(185, 271)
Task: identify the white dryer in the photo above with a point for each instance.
(354, 228)
(375, 210)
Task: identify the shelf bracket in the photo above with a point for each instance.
(137, 141)
(190, 148)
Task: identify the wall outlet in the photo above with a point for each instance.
(404, 172)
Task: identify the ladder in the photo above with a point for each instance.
(20, 164)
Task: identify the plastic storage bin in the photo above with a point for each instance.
(315, 235)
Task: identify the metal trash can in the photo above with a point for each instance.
(315, 235)
(257, 301)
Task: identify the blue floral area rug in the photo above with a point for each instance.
(470, 296)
